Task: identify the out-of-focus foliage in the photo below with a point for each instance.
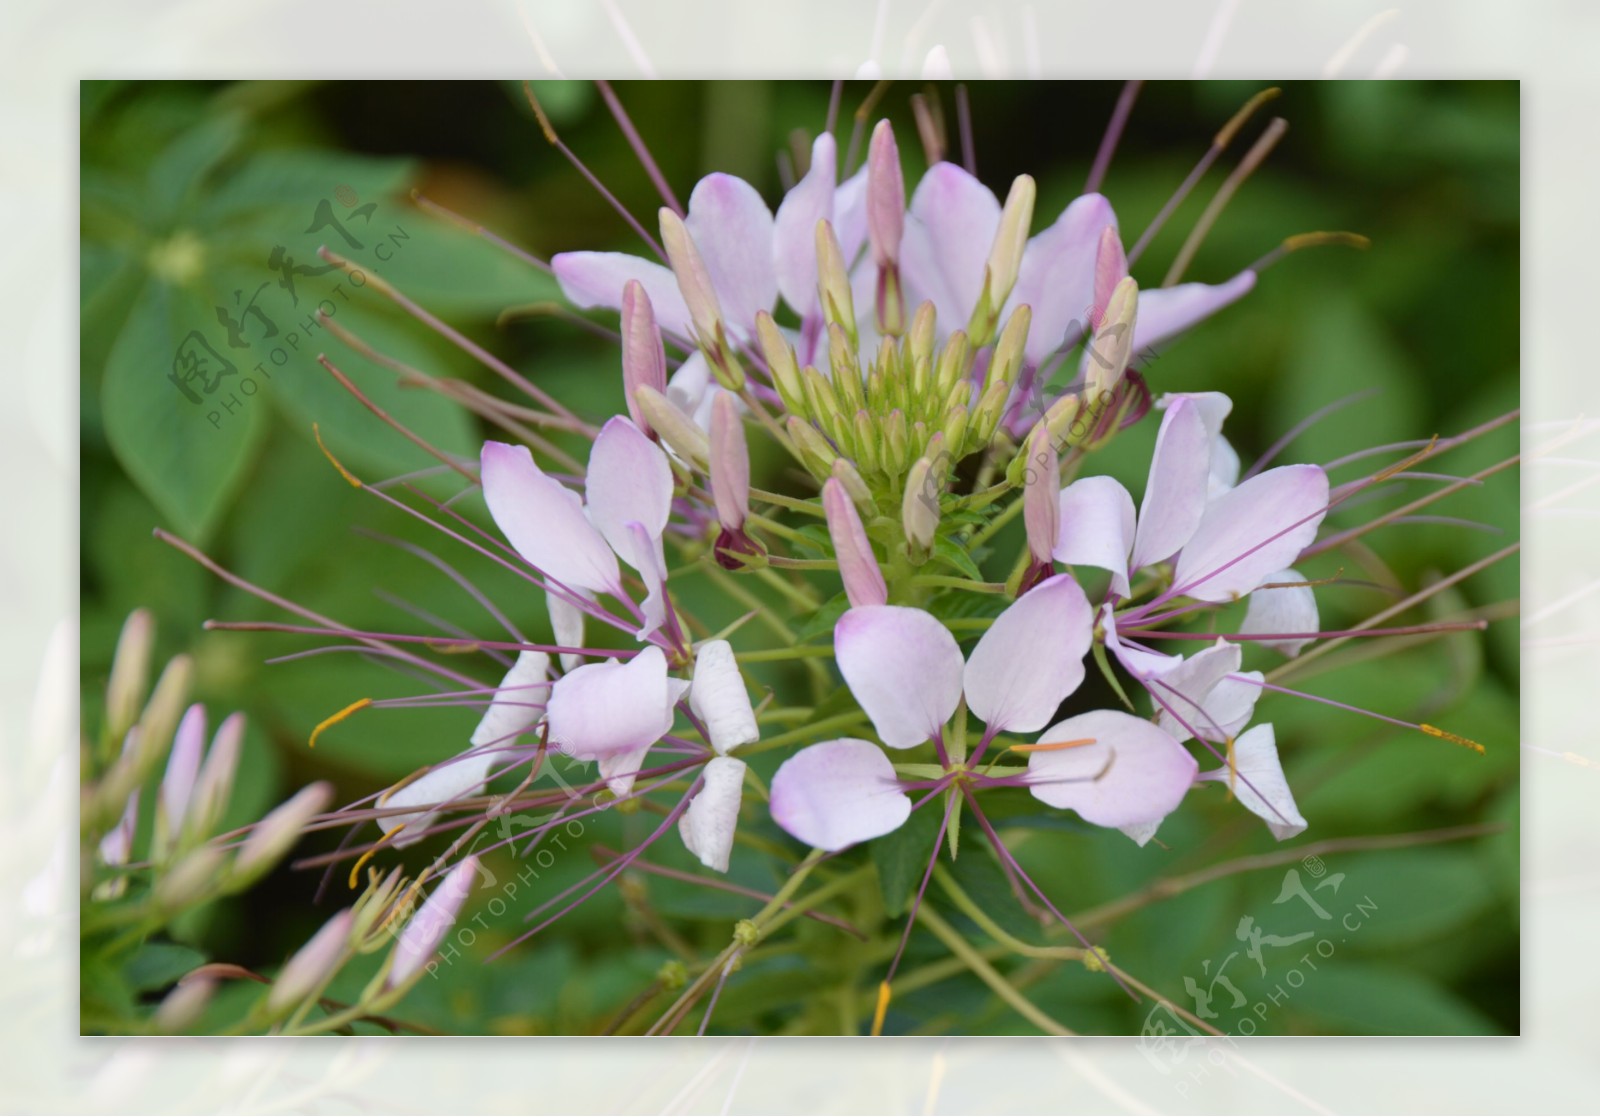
(188, 189)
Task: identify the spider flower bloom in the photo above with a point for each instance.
(1223, 548)
(629, 490)
(906, 670)
(613, 712)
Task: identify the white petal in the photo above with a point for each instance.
(1287, 608)
(544, 521)
(1031, 658)
(603, 709)
(566, 622)
(1259, 782)
(461, 777)
(619, 770)
(1207, 693)
(518, 701)
(1252, 530)
(629, 480)
(1097, 526)
(719, 699)
(708, 825)
(733, 231)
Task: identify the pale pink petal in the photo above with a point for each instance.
(948, 234)
(1252, 531)
(720, 699)
(1283, 608)
(591, 279)
(1057, 277)
(620, 769)
(794, 236)
(1224, 468)
(518, 701)
(858, 566)
(1259, 782)
(183, 767)
(629, 481)
(1031, 657)
(850, 215)
(566, 623)
(838, 793)
(1097, 526)
(646, 551)
(1139, 662)
(1198, 694)
(1175, 493)
(903, 667)
(427, 930)
(1214, 409)
(708, 825)
(1165, 312)
(544, 521)
(1133, 773)
(602, 709)
(733, 231)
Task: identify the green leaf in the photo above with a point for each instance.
(901, 858)
(187, 455)
(158, 964)
(277, 192)
(1348, 998)
(956, 557)
(178, 173)
(820, 624)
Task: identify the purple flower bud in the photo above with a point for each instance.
(643, 360)
(177, 786)
(886, 197)
(312, 965)
(428, 928)
(215, 783)
(730, 463)
(273, 835)
(1110, 268)
(1041, 496)
(863, 581)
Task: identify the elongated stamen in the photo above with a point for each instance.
(1420, 727)
(442, 644)
(969, 157)
(930, 129)
(859, 127)
(394, 424)
(1309, 240)
(477, 230)
(355, 870)
(1304, 425)
(459, 340)
(1219, 144)
(1108, 143)
(1405, 510)
(1252, 159)
(555, 141)
(911, 916)
(327, 722)
(449, 571)
(639, 147)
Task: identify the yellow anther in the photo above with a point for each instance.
(336, 719)
(1453, 738)
(881, 1010)
(337, 464)
(355, 870)
(1053, 746)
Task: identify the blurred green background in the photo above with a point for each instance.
(188, 188)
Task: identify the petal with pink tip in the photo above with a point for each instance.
(1167, 311)
(602, 709)
(850, 215)
(544, 521)
(733, 230)
(708, 825)
(949, 230)
(1282, 609)
(903, 667)
(1175, 492)
(183, 768)
(1259, 782)
(1141, 663)
(629, 481)
(1031, 657)
(1133, 774)
(1057, 277)
(1252, 531)
(838, 793)
(598, 279)
(794, 232)
(1097, 526)
(566, 624)
(652, 564)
